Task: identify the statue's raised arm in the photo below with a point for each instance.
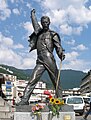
(35, 23)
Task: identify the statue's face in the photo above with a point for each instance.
(45, 23)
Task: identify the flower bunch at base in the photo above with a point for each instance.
(55, 105)
(37, 109)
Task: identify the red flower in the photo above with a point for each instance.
(50, 96)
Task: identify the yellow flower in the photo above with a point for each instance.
(57, 101)
(62, 102)
(36, 104)
(52, 100)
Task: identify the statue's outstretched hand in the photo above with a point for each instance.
(33, 11)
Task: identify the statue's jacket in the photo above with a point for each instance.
(45, 53)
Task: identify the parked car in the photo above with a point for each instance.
(77, 102)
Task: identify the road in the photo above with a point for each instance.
(81, 117)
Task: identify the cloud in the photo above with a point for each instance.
(52, 4)
(65, 14)
(5, 41)
(8, 42)
(12, 58)
(5, 12)
(12, 1)
(77, 30)
(28, 5)
(65, 29)
(80, 16)
(69, 30)
(73, 62)
(18, 46)
(30, 60)
(90, 7)
(76, 64)
(28, 26)
(9, 56)
(70, 42)
(80, 47)
(86, 70)
(16, 11)
(71, 56)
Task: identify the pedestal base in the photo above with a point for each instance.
(29, 116)
(24, 113)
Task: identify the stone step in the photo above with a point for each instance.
(5, 109)
(6, 119)
(4, 106)
(5, 115)
(2, 102)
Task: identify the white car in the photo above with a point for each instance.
(77, 102)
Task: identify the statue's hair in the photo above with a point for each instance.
(45, 17)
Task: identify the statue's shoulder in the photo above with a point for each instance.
(53, 33)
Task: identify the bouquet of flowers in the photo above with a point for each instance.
(36, 110)
(55, 105)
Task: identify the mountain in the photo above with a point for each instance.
(69, 78)
(20, 73)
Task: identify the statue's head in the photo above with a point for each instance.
(45, 22)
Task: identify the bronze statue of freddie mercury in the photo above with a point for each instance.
(44, 40)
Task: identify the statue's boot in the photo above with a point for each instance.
(22, 103)
(27, 93)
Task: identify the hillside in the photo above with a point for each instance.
(69, 78)
(21, 74)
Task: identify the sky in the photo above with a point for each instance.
(71, 19)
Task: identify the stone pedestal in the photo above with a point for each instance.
(24, 113)
(29, 116)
